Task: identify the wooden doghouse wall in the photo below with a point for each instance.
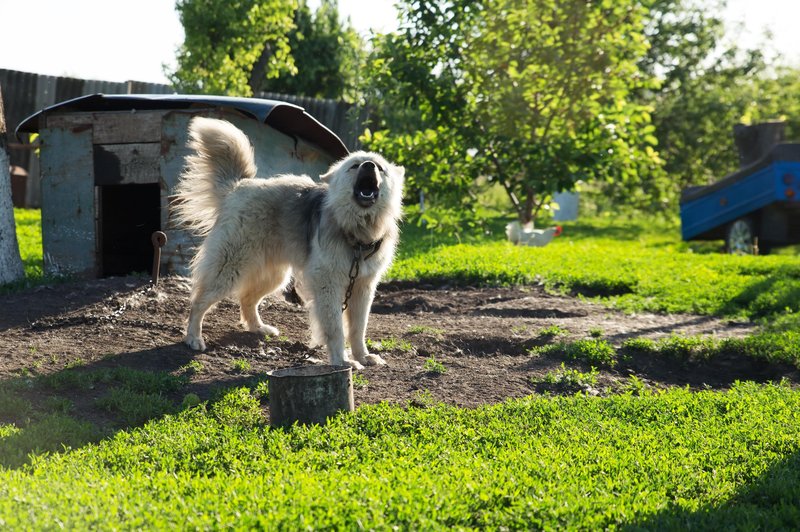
(83, 154)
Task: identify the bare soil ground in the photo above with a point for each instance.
(482, 337)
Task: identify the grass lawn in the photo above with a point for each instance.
(640, 460)
(672, 460)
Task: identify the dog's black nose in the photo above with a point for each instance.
(367, 165)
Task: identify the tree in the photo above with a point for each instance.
(229, 47)
(10, 262)
(249, 46)
(707, 86)
(327, 54)
(536, 95)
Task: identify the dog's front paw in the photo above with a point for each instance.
(373, 360)
(268, 330)
(195, 342)
(355, 364)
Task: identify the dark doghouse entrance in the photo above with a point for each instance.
(128, 216)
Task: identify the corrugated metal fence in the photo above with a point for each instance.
(25, 93)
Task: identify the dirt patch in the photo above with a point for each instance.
(481, 337)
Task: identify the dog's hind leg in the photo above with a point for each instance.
(211, 282)
(253, 290)
(201, 301)
(357, 314)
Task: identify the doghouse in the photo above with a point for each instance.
(110, 162)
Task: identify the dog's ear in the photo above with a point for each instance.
(399, 172)
(326, 177)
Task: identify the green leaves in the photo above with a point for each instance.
(224, 42)
(538, 93)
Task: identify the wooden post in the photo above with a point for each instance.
(10, 262)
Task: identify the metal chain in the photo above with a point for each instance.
(112, 318)
(354, 266)
(358, 255)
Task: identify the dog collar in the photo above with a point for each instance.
(365, 251)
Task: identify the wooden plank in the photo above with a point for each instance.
(76, 122)
(127, 126)
(126, 164)
(68, 228)
(112, 127)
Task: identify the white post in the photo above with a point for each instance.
(10, 262)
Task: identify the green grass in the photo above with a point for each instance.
(642, 459)
(633, 266)
(592, 351)
(29, 237)
(771, 347)
(671, 460)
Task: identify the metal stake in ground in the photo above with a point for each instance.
(159, 239)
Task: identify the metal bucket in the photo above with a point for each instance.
(309, 394)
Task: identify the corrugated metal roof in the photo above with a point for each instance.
(285, 117)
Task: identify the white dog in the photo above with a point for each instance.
(336, 237)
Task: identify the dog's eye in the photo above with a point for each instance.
(354, 167)
(380, 168)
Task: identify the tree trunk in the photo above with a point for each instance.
(258, 74)
(10, 262)
(526, 212)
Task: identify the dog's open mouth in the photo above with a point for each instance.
(366, 189)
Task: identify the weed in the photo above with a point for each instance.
(680, 347)
(644, 345)
(552, 331)
(58, 404)
(360, 381)
(390, 344)
(12, 406)
(635, 386)
(686, 347)
(568, 379)
(423, 399)
(425, 329)
(190, 400)
(432, 365)
(132, 407)
(238, 407)
(75, 363)
(241, 365)
(519, 329)
(596, 332)
(193, 367)
(53, 432)
(595, 351)
(262, 390)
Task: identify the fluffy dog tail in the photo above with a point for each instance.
(222, 156)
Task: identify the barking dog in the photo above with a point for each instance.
(336, 237)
